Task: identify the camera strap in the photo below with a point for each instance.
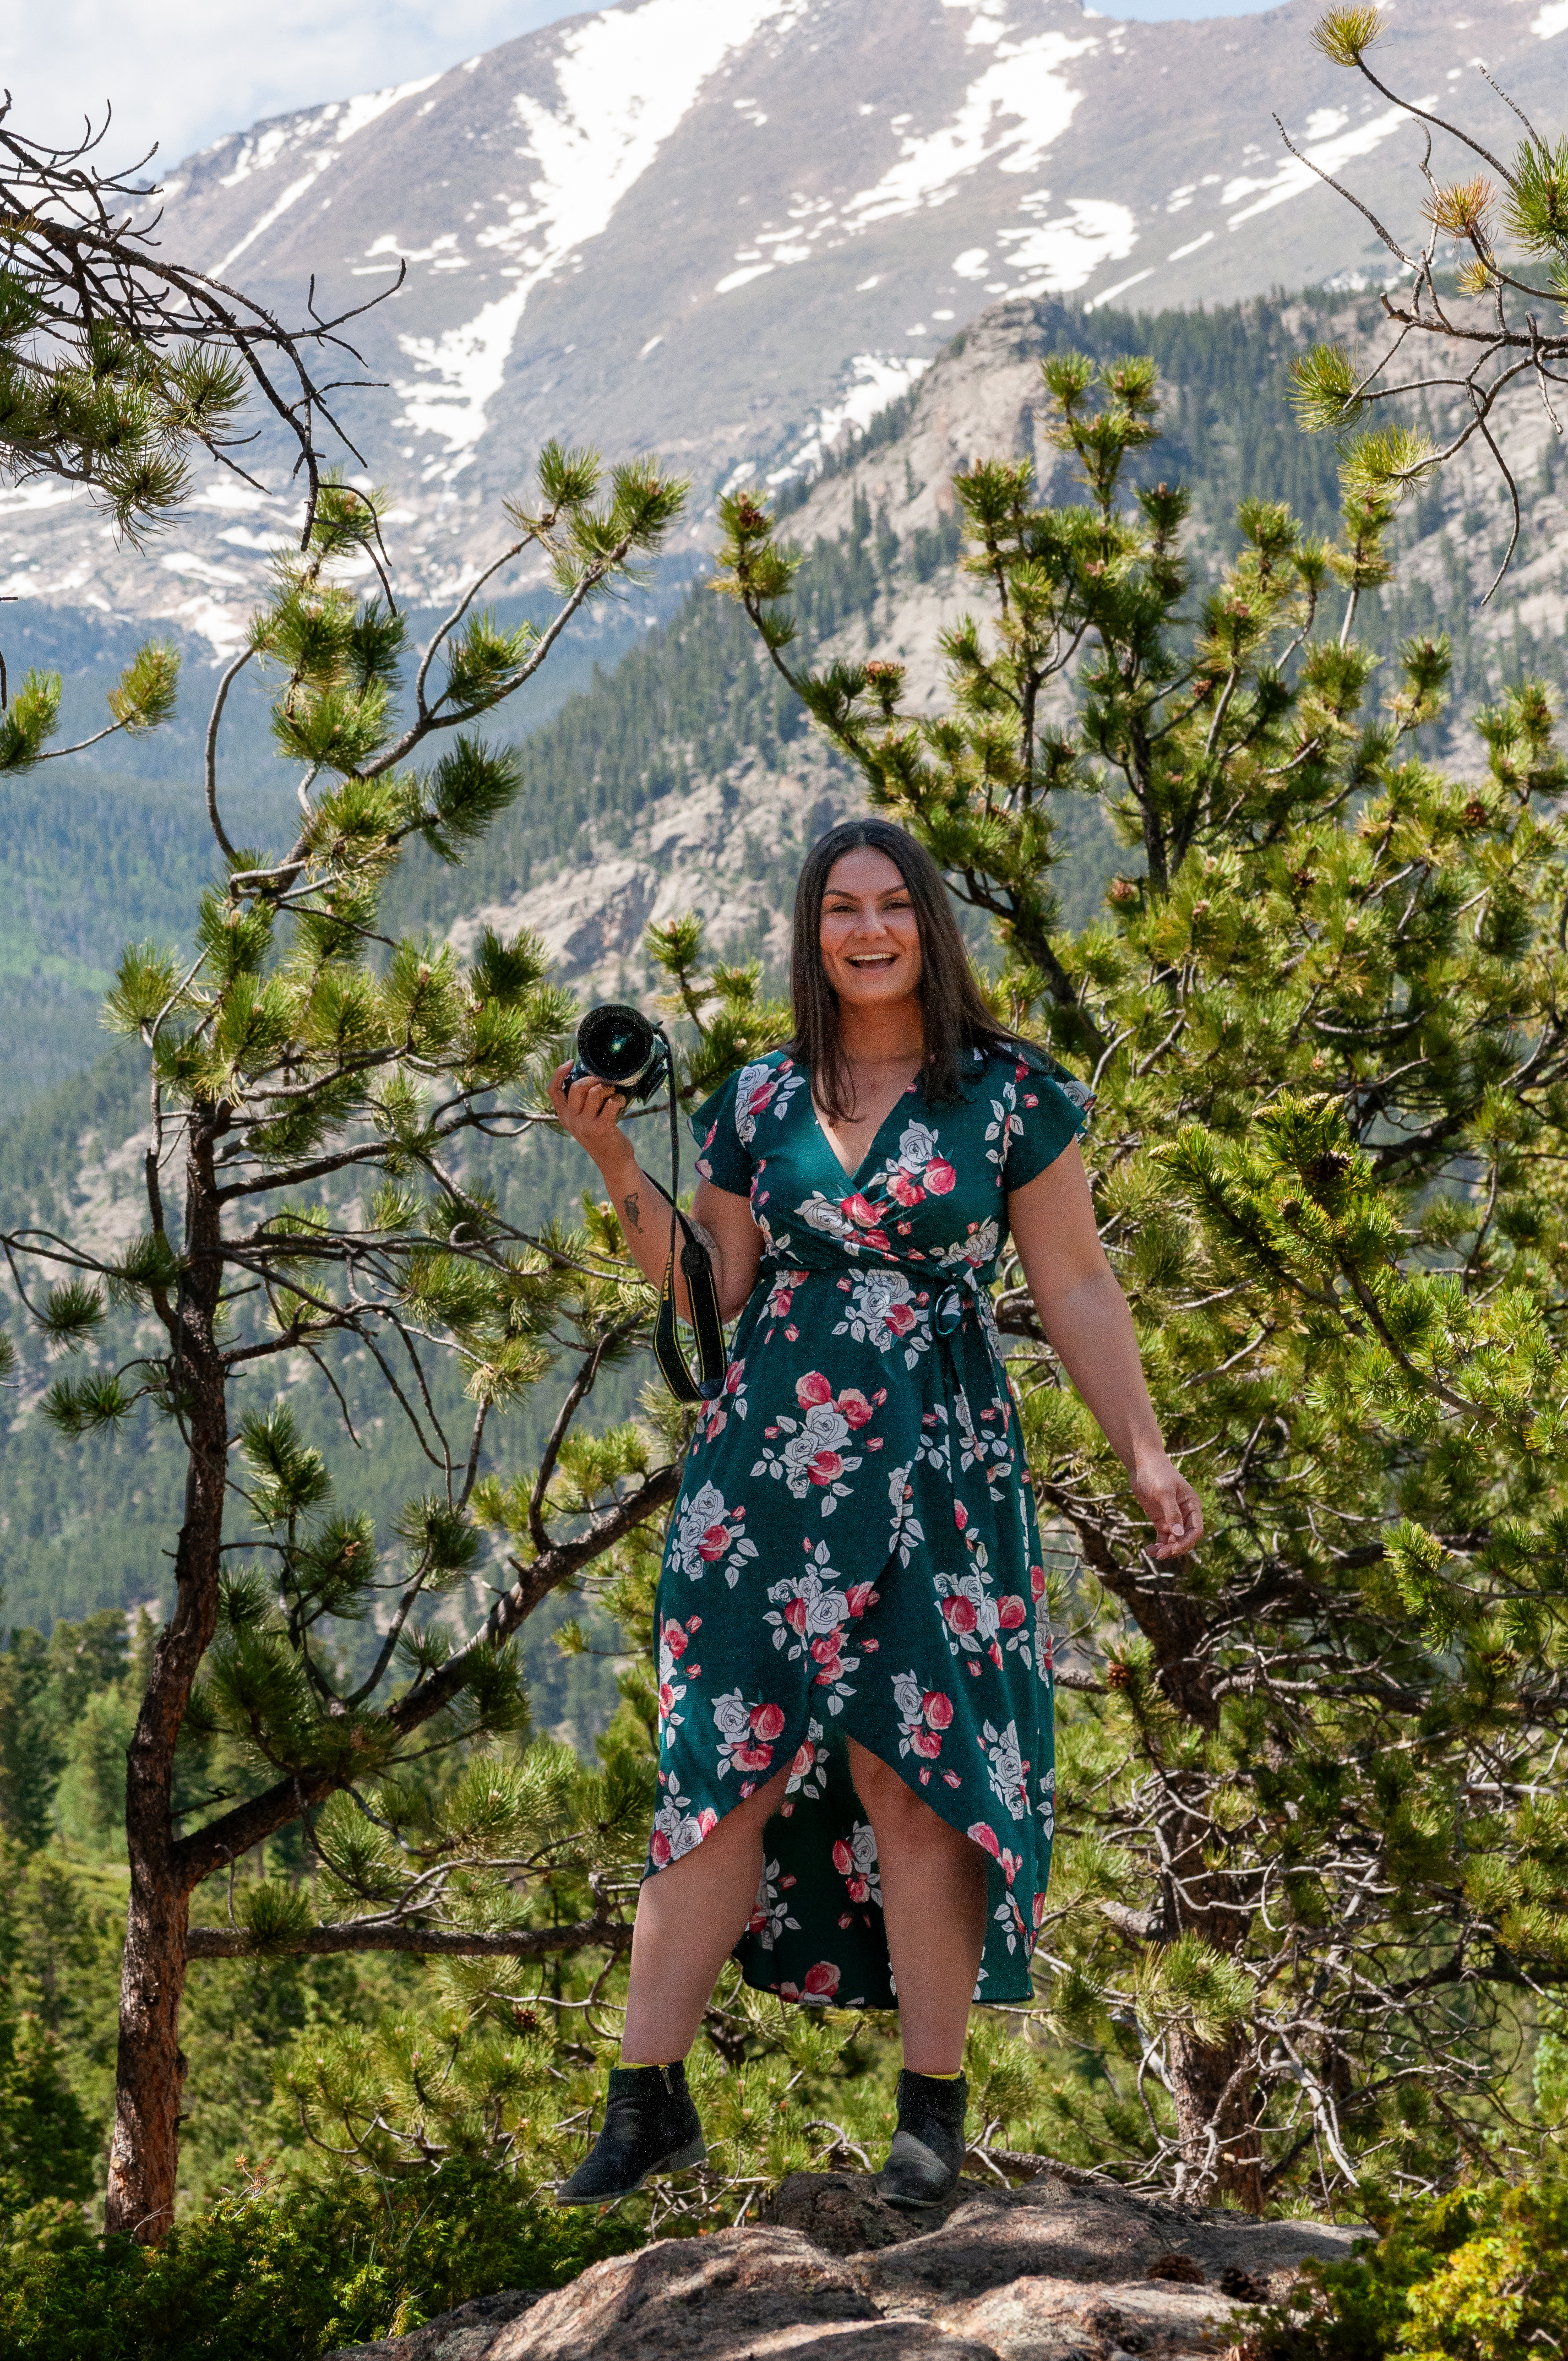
(696, 1269)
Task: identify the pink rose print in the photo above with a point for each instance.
(940, 1177)
(812, 1389)
(907, 1191)
(1037, 1582)
(844, 1862)
(861, 1210)
(923, 1714)
(714, 1540)
(980, 1834)
(855, 1407)
(707, 1820)
(960, 1614)
(859, 1596)
(899, 1318)
(659, 1849)
(961, 1515)
(783, 1296)
(822, 1981)
(746, 1734)
(716, 1413)
(825, 1467)
(1010, 1612)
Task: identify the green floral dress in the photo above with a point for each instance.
(854, 1550)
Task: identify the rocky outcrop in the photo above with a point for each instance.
(1059, 2270)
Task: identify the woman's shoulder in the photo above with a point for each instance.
(766, 1081)
(732, 1113)
(1023, 1063)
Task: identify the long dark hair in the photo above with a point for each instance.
(953, 1012)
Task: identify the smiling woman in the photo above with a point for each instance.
(855, 1790)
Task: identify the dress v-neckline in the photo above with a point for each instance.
(825, 1136)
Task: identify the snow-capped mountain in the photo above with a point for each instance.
(729, 230)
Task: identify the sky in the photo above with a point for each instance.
(184, 72)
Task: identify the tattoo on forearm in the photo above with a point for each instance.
(629, 1205)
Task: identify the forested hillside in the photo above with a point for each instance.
(690, 729)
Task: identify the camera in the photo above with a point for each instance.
(617, 1044)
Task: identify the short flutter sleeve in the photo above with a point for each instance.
(725, 1125)
(1045, 1119)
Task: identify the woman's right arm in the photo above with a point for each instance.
(591, 1112)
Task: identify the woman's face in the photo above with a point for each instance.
(870, 934)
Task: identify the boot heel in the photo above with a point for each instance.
(694, 2152)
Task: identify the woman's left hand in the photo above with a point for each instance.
(1171, 1505)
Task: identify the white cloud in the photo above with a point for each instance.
(183, 72)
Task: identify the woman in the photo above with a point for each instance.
(856, 1792)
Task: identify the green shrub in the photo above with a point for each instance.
(1478, 2275)
(286, 2272)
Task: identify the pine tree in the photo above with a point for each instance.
(322, 1100)
(1476, 326)
(1313, 1861)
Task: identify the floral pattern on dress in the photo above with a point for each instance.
(859, 1486)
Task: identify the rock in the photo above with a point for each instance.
(694, 2296)
(841, 2213)
(466, 2334)
(1059, 2320)
(1058, 2271)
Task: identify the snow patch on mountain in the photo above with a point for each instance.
(880, 378)
(625, 82)
(1297, 174)
(334, 124)
(1009, 117)
(1062, 254)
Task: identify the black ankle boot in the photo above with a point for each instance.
(927, 2150)
(650, 2125)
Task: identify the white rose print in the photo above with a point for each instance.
(708, 1533)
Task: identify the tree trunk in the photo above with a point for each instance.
(1212, 2088)
(144, 2152)
(1222, 2154)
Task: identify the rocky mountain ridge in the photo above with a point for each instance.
(732, 233)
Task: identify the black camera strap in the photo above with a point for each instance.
(696, 1269)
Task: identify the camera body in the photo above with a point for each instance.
(615, 1044)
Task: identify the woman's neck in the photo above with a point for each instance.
(885, 1034)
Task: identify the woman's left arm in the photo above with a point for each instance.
(1085, 1314)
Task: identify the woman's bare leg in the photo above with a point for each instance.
(932, 1892)
(689, 1918)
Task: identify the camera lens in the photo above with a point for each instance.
(615, 1042)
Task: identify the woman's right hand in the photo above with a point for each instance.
(591, 1112)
